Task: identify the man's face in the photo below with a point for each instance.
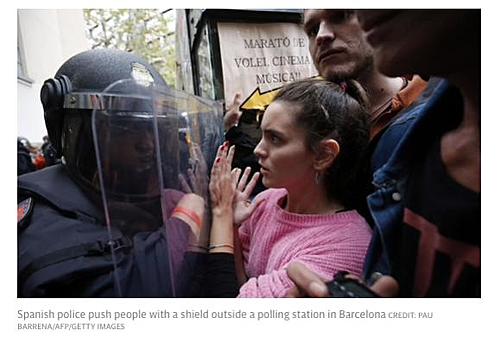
(427, 42)
(336, 43)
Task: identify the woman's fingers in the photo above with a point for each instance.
(215, 180)
(254, 205)
(235, 175)
(230, 155)
(251, 185)
(244, 178)
(222, 177)
(220, 151)
(216, 170)
(214, 165)
(224, 159)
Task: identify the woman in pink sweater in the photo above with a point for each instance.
(314, 135)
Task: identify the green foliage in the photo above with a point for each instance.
(145, 32)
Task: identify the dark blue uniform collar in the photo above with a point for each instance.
(55, 186)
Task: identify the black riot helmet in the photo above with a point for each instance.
(69, 100)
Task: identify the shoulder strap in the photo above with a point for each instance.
(97, 248)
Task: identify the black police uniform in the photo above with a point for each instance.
(65, 249)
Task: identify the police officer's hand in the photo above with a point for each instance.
(191, 210)
(233, 113)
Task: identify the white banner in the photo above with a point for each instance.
(257, 58)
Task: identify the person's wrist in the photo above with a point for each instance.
(197, 248)
(222, 211)
(221, 248)
(190, 217)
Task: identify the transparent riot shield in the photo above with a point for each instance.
(148, 201)
(200, 133)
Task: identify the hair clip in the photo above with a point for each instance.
(325, 112)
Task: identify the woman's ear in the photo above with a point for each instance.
(326, 154)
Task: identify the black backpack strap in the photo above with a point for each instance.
(97, 248)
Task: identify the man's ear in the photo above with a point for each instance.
(326, 154)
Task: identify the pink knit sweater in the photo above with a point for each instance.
(272, 238)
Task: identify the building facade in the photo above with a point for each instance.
(45, 39)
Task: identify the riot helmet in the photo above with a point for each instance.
(86, 82)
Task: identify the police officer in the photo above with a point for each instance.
(24, 161)
(93, 225)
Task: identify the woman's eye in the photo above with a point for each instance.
(275, 139)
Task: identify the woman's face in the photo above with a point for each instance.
(285, 160)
